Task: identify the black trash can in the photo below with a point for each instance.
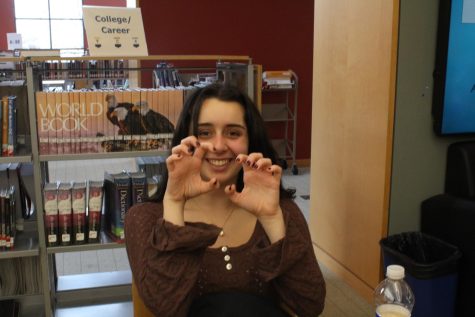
(431, 270)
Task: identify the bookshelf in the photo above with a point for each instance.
(57, 296)
(282, 112)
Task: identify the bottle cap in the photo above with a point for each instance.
(395, 272)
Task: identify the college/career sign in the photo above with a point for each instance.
(114, 31)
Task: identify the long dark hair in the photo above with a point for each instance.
(258, 140)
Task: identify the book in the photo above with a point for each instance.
(4, 125)
(65, 112)
(36, 52)
(12, 126)
(75, 121)
(3, 220)
(51, 122)
(78, 195)
(118, 201)
(279, 86)
(50, 196)
(138, 182)
(65, 213)
(94, 202)
(276, 74)
(10, 218)
(43, 122)
(59, 121)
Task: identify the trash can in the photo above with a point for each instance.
(431, 270)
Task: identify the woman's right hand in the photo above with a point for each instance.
(184, 170)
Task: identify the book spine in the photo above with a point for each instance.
(52, 123)
(42, 121)
(79, 212)
(118, 129)
(108, 143)
(65, 213)
(95, 194)
(72, 119)
(136, 129)
(4, 125)
(67, 123)
(144, 100)
(121, 203)
(58, 120)
(100, 119)
(155, 107)
(3, 207)
(51, 213)
(82, 122)
(9, 204)
(89, 143)
(12, 220)
(12, 126)
(138, 189)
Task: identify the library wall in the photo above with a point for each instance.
(7, 22)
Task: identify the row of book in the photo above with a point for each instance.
(76, 69)
(20, 276)
(77, 212)
(84, 121)
(165, 75)
(8, 128)
(15, 175)
(7, 218)
(72, 212)
(123, 190)
(277, 79)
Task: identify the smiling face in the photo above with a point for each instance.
(221, 123)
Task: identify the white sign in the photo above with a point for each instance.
(114, 31)
(14, 41)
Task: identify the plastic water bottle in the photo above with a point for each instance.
(393, 297)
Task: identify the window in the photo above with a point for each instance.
(50, 24)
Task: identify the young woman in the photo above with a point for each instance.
(225, 239)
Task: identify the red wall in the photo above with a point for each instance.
(276, 33)
(7, 22)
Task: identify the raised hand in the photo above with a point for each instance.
(261, 191)
(184, 166)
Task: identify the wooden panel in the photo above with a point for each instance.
(352, 120)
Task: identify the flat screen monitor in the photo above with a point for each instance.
(454, 76)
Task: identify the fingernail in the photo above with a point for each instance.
(254, 166)
(178, 155)
(237, 159)
(191, 149)
(229, 187)
(198, 143)
(248, 163)
(215, 182)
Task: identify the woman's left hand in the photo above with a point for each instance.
(261, 192)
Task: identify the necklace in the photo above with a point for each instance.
(221, 233)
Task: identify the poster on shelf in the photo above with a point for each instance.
(114, 31)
